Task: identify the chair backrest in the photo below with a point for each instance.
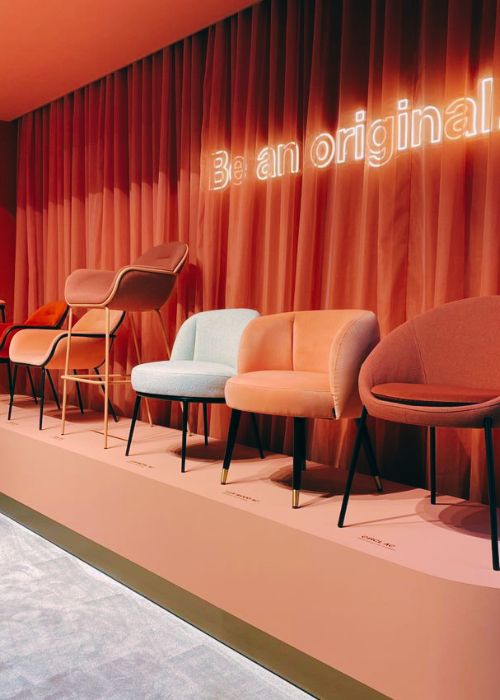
(212, 336)
(167, 256)
(334, 342)
(297, 340)
(94, 322)
(51, 315)
(455, 344)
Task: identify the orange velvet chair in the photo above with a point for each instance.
(302, 364)
(145, 285)
(46, 349)
(48, 316)
(440, 369)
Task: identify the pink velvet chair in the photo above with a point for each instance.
(302, 364)
(440, 369)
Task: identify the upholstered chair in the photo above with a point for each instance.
(302, 364)
(47, 350)
(203, 358)
(48, 316)
(439, 370)
(145, 285)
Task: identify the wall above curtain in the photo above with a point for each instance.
(126, 162)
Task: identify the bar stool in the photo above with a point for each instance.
(145, 285)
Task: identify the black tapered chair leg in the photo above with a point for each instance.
(42, 398)
(490, 463)
(110, 405)
(53, 390)
(79, 394)
(137, 405)
(432, 469)
(205, 421)
(9, 377)
(299, 454)
(12, 391)
(352, 467)
(256, 432)
(370, 454)
(32, 384)
(231, 439)
(185, 411)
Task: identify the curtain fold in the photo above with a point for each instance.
(124, 164)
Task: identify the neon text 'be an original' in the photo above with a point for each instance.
(375, 142)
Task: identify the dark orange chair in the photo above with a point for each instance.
(440, 369)
(51, 315)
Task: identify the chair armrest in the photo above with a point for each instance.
(183, 348)
(352, 343)
(266, 344)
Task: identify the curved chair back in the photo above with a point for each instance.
(212, 336)
(51, 315)
(167, 256)
(331, 341)
(454, 344)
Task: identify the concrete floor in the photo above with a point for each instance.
(68, 631)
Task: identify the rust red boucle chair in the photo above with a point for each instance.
(440, 369)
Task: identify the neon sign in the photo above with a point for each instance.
(375, 142)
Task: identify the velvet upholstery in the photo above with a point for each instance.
(454, 347)
(49, 315)
(142, 286)
(47, 348)
(303, 363)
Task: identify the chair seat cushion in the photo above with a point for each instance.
(282, 393)
(432, 394)
(187, 378)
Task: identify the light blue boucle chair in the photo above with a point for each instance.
(204, 357)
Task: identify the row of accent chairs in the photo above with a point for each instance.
(437, 370)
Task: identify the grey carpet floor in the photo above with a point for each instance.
(68, 631)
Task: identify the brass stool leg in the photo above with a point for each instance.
(66, 370)
(106, 380)
(163, 332)
(139, 360)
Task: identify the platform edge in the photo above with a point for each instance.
(300, 669)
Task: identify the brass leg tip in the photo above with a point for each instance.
(295, 498)
(223, 477)
(378, 481)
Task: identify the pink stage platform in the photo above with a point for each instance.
(403, 599)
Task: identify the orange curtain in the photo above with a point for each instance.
(122, 164)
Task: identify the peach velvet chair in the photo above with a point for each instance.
(48, 316)
(145, 285)
(439, 369)
(46, 349)
(302, 364)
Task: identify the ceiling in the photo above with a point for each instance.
(51, 47)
